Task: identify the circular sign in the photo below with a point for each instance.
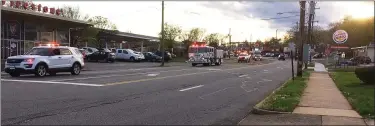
(340, 36)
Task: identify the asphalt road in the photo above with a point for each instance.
(178, 94)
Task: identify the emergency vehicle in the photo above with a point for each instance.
(47, 58)
(200, 53)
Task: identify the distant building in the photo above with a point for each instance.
(365, 51)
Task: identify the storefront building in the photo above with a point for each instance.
(24, 26)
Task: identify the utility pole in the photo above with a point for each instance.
(162, 33)
(311, 12)
(276, 33)
(230, 43)
(301, 31)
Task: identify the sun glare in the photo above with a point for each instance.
(360, 9)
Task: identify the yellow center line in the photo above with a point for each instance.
(158, 78)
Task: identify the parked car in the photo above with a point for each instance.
(84, 52)
(152, 57)
(257, 57)
(90, 50)
(167, 55)
(268, 55)
(128, 54)
(46, 59)
(243, 58)
(276, 54)
(318, 55)
(361, 59)
(102, 54)
(281, 57)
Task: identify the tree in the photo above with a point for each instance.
(213, 39)
(73, 13)
(102, 23)
(195, 34)
(171, 33)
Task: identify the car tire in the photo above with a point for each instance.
(76, 69)
(193, 64)
(41, 70)
(14, 74)
(132, 59)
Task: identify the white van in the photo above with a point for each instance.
(128, 54)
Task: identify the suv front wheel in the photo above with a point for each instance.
(41, 70)
(76, 69)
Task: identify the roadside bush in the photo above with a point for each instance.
(366, 74)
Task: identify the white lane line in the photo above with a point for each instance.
(243, 75)
(117, 75)
(116, 71)
(153, 74)
(54, 82)
(201, 97)
(191, 88)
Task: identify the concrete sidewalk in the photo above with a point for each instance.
(321, 104)
(322, 97)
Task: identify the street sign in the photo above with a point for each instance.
(306, 52)
(340, 36)
(291, 46)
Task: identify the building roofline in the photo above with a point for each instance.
(4, 8)
(132, 35)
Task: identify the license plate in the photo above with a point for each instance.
(12, 68)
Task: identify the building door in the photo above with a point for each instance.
(11, 47)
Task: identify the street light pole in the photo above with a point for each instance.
(162, 34)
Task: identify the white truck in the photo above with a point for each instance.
(206, 55)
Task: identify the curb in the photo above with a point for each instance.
(257, 110)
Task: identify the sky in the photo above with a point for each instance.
(242, 18)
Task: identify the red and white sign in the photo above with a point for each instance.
(339, 47)
(33, 7)
(340, 36)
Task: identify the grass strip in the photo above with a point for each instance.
(287, 97)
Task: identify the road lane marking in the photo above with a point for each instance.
(201, 97)
(153, 74)
(53, 82)
(105, 76)
(243, 75)
(158, 78)
(116, 71)
(191, 88)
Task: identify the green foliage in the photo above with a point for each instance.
(102, 23)
(213, 39)
(171, 33)
(287, 97)
(366, 74)
(360, 96)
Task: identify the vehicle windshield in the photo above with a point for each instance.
(197, 49)
(39, 51)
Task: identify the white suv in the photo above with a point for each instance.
(46, 59)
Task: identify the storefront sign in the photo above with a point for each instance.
(339, 47)
(33, 7)
(340, 36)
